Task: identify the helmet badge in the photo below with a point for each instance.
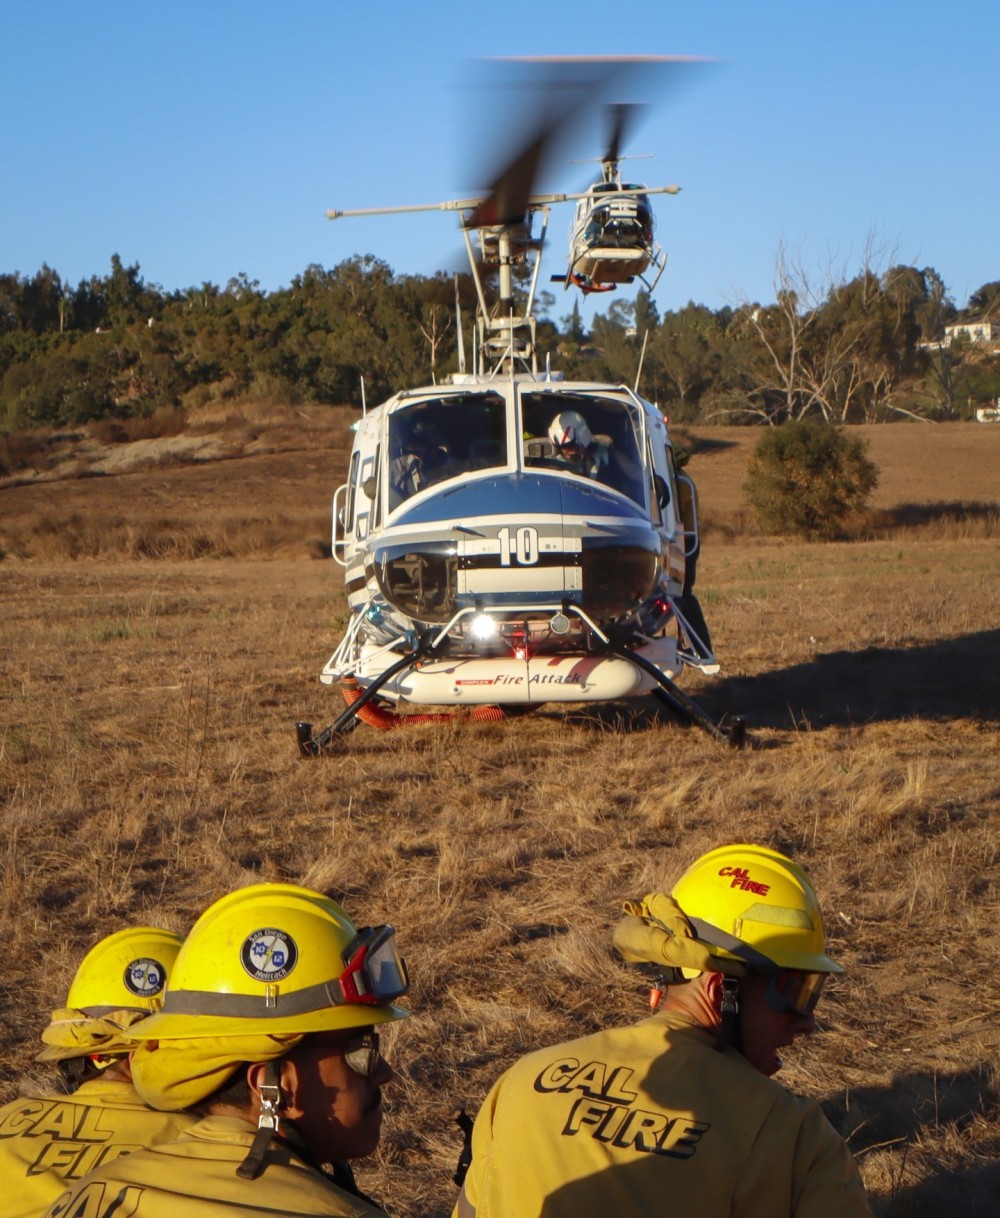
(144, 977)
(269, 954)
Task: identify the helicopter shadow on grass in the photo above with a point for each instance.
(912, 1110)
(914, 1102)
(949, 679)
(917, 515)
(700, 446)
(970, 1192)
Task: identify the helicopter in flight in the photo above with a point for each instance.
(611, 238)
(511, 538)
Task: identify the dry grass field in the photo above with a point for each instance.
(163, 625)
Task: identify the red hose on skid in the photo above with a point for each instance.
(384, 720)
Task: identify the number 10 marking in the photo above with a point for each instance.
(524, 550)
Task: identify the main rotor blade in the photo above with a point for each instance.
(507, 200)
(618, 116)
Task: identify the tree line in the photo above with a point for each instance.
(868, 348)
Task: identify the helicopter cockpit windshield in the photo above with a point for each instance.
(624, 220)
(589, 435)
(439, 438)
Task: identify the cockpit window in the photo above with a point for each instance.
(591, 436)
(623, 221)
(440, 438)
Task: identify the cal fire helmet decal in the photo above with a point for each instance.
(269, 954)
(741, 879)
(145, 977)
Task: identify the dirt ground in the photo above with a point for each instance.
(163, 631)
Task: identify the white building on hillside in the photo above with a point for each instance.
(985, 331)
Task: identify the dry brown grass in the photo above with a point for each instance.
(147, 765)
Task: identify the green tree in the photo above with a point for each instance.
(984, 301)
(573, 329)
(125, 293)
(807, 476)
(684, 358)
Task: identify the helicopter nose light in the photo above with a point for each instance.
(483, 628)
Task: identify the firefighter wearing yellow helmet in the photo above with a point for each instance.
(679, 1113)
(50, 1139)
(267, 1034)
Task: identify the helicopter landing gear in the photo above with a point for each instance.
(689, 710)
(312, 746)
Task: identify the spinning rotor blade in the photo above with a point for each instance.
(568, 88)
(507, 200)
(619, 116)
(540, 100)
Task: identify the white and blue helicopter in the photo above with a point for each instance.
(512, 538)
(611, 238)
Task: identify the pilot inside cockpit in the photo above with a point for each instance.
(575, 448)
(422, 459)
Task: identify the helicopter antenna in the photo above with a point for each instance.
(642, 356)
(458, 328)
(364, 403)
(530, 307)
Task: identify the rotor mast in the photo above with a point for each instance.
(506, 332)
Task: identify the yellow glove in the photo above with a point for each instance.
(656, 931)
(74, 1033)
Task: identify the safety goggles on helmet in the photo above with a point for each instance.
(375, 972)
(794, 991)
(362, 1054)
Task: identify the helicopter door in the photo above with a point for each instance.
(368, 484)
(659, 491)
(687, 494)
(344, 499)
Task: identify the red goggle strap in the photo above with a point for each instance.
(355, 981)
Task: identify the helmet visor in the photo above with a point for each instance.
(793, 990)
(375, 972)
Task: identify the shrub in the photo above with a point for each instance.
(807, 476)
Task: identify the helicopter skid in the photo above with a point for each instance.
(508, 680)
(610, 265)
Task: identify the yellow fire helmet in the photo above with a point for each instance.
(127, 970)
(120, 981)
(755, 905)
(278, 960)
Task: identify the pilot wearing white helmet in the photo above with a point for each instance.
(574, 445)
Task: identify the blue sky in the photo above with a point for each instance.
(206, 139)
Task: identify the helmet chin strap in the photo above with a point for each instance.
(730, 1030)
(268, 1122)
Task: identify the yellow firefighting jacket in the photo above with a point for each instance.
(653, 1119)
(195, 1177)
(48, 1141)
